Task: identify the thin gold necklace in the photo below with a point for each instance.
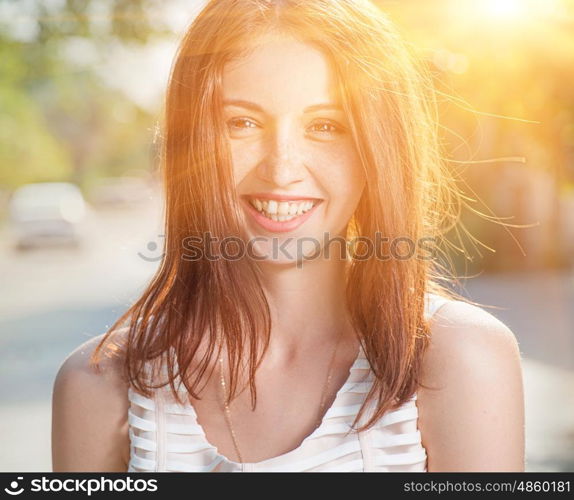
(227, 410)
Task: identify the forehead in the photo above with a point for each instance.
(282, 75)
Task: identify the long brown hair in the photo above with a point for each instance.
(387, 95)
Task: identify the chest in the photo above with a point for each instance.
(290, 405)
(166, 437)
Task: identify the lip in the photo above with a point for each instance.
(277, 226)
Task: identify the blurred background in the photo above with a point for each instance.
(81, 87)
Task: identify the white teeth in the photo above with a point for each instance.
(281, 210)
(283, 218)
(271, 207)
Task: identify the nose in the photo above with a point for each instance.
(283, 162)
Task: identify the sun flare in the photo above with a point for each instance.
(505, 9)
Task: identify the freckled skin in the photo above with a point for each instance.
(285, 149)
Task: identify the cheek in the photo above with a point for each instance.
(343, 176)
(244, 158)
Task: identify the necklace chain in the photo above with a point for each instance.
(227, 410)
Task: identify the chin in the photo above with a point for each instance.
(285, 249)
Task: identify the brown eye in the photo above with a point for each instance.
(325, 128)
(241, 124)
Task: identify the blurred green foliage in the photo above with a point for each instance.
(29, 151)
(59, 121)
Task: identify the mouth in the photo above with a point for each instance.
(282, 210)
(282, 213)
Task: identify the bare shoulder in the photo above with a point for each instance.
(89, 412)
(471, 401)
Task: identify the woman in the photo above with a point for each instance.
(291, 129)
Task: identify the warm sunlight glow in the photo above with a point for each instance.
(506, 9)
(509, 11)
(505, 16)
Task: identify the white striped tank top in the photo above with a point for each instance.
(166, 436)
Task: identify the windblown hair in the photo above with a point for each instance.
(388, 97)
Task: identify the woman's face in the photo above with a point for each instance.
(295, 165)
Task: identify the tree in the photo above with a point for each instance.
(59, 120)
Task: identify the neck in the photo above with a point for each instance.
(308, 305)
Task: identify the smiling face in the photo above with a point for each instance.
(295, 165)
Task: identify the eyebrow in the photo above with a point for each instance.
(255, 107)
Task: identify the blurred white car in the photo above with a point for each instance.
(47, 212)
